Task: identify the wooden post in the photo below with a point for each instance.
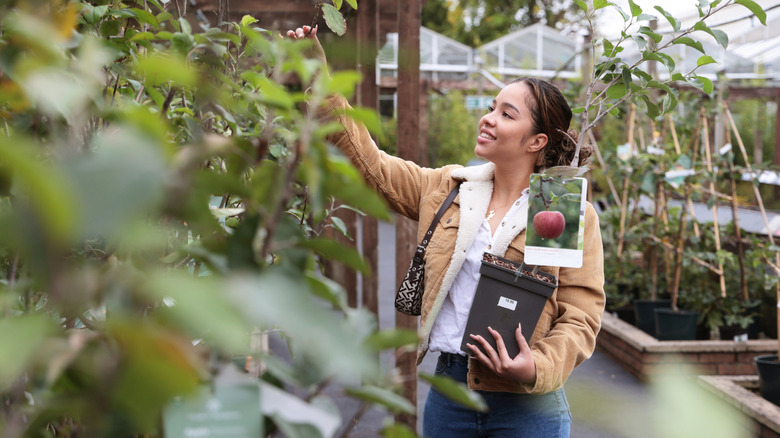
(759, 199)
(409, 15)
(715, 225)
(678, 150)
(624, 200)
(368, 96)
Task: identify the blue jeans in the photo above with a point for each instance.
(509, 414)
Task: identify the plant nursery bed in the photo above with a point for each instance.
(645, 356)
(761, 417)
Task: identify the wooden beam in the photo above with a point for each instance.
(263, 6)
(409, 15)
(368, 96)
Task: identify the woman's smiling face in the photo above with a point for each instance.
(506, 133)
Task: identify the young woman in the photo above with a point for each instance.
(526, 130)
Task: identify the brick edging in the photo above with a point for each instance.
(644, 356)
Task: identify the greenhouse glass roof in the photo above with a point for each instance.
(537, 50)
(753, 51)
(440, 57)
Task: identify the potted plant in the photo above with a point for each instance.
(521, 292)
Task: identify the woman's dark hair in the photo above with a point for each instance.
(551, 115)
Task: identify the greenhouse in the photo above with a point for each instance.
(539, 50)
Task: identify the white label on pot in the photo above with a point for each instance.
(507, 303)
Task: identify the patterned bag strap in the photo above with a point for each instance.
(420, 252)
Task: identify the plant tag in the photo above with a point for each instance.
(507, 303)
(624, 151)
(653, 150)
(741, 338)
(555, 229)
(231, 410)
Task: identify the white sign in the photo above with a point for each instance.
(479, 102)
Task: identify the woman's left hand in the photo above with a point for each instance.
(521, 368)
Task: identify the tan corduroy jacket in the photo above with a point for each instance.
(566, 333)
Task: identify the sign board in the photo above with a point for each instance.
(479, 102)
(228, 409)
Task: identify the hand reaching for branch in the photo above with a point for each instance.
(521, 368)
(316, 50)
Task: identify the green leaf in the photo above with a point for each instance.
(617, 91)
(690, 42)
(271, 93)
(20, 339)
(145, 17)
(328, 290)
(645, 30)
(93, 14)
(620, 10)
(720, 36)
(600, 4)
(397, 338)
(337, 4)
(646, 17)
(669, 103)
(370, 119)
(334, 19)
(121, 158)
(401, 430)
(456, 391)
(47, 188)
(582, 5)
(199, 308)
(704, 60)
(678, 77)
(247, 20)
(578, 110)
(635, 9)
(702, 83)
(384, 397)
(641, 43)
(340, 225)
(182, 43)
(652, 109)
(159, 68)
(627, 77)
(754, 8)
(109, 28)
(163, 16)
(345, 183)
(667, 60)
(353, 4)
(333, 250)
(670, 18)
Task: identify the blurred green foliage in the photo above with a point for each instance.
(165, 194)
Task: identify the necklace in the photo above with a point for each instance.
(492, 212)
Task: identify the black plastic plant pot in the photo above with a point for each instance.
(768, 369)
(644, 313)
(507, 295)
(675, 326)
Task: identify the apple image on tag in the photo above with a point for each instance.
(549, 224)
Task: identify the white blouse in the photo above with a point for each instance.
(450, 324)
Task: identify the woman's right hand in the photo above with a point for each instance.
(316, 51)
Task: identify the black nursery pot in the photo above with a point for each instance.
(644, 313)
(504, 298)
(768, 369)
(675, 326)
